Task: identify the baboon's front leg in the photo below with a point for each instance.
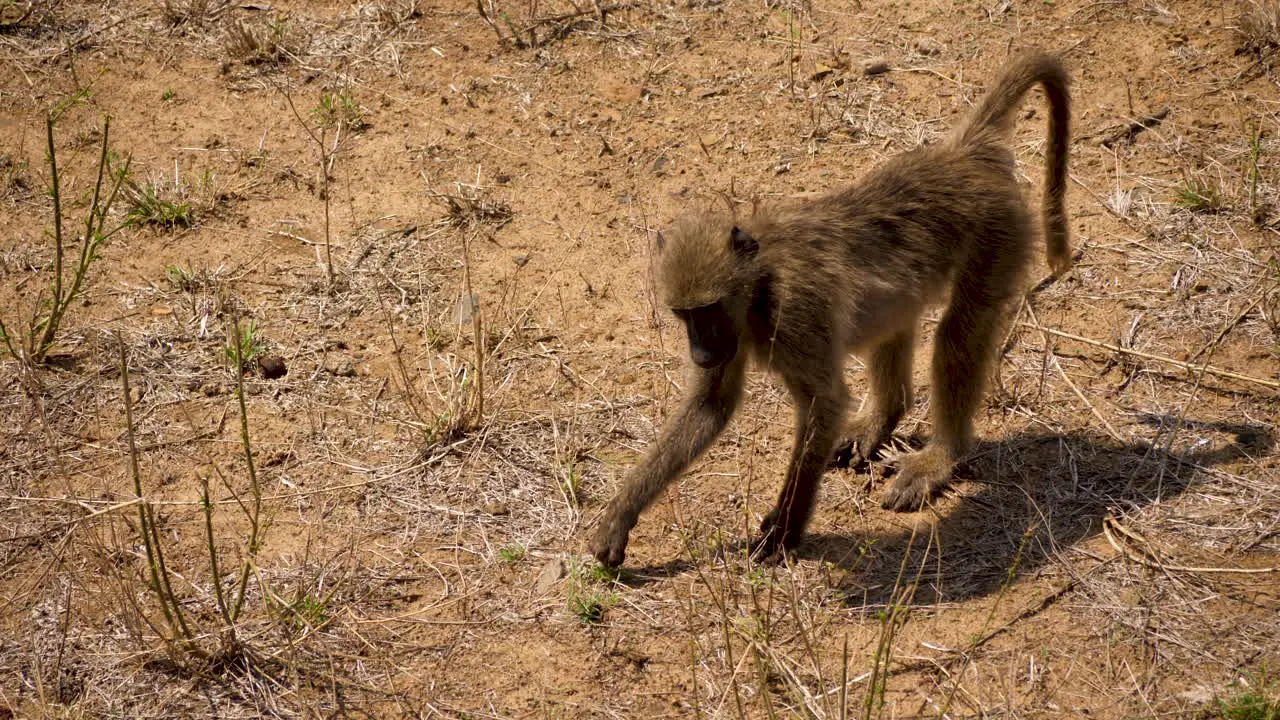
(702, 416)
(820, 413)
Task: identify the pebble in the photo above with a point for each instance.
(550, 575)
(875, 66)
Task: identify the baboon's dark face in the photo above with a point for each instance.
(713, 340)
(708, 267)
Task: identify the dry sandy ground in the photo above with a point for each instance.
(410, 538)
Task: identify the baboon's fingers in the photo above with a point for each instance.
(849, 456)
(765, 550)
(846, 454)
(769, 522)
(775, 538)
(921, 477)
(911, 498)
(609, 544)
(768, 548)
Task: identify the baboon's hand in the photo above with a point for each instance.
(867, 434)
(609, 544)
(904, 497)
(848, 455)
(922, 476)
(774, 539)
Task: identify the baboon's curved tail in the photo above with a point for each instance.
(992, 120)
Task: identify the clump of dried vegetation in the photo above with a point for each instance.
(531, 24)
(194, 12)
(272, 42)
(473, 205)
(1258, 27)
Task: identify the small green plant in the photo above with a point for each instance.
(168, 94)
(1260, 700)
(193, 280)
(243, 354)
(68, 284)
(1198, 196)
(436, 340)
(758, 578)
(179, 278)
(147, 206)
(339, 110)
(309, 611)
(445, 428)
(605, 575)
(571, 483)
(588, 599)
(512, 554)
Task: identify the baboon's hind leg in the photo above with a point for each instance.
(963, 351)
(889, 374)
(820, 409)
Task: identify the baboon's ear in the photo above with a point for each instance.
(661, 241)
(742, 243)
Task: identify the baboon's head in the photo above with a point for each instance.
(708, 266)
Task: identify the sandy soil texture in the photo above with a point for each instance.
(426, 231)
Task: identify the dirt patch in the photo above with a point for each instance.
(439, 218)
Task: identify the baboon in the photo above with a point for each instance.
(801, 285)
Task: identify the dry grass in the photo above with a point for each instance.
(472, 205)
(268, 43)
(469, 377)
(194, 12)
(1258, 28)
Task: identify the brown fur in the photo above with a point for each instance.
(802, 285)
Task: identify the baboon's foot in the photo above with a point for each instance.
(922, 476)
(867, 435)
(609, 544)
(775, 538)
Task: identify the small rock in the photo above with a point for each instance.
(521, 260)
(550, 575)
(340, 368)
(927, 46)
(1198, 695)
(875, 66)
(272, 367)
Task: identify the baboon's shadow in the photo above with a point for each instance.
(1054, 489)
